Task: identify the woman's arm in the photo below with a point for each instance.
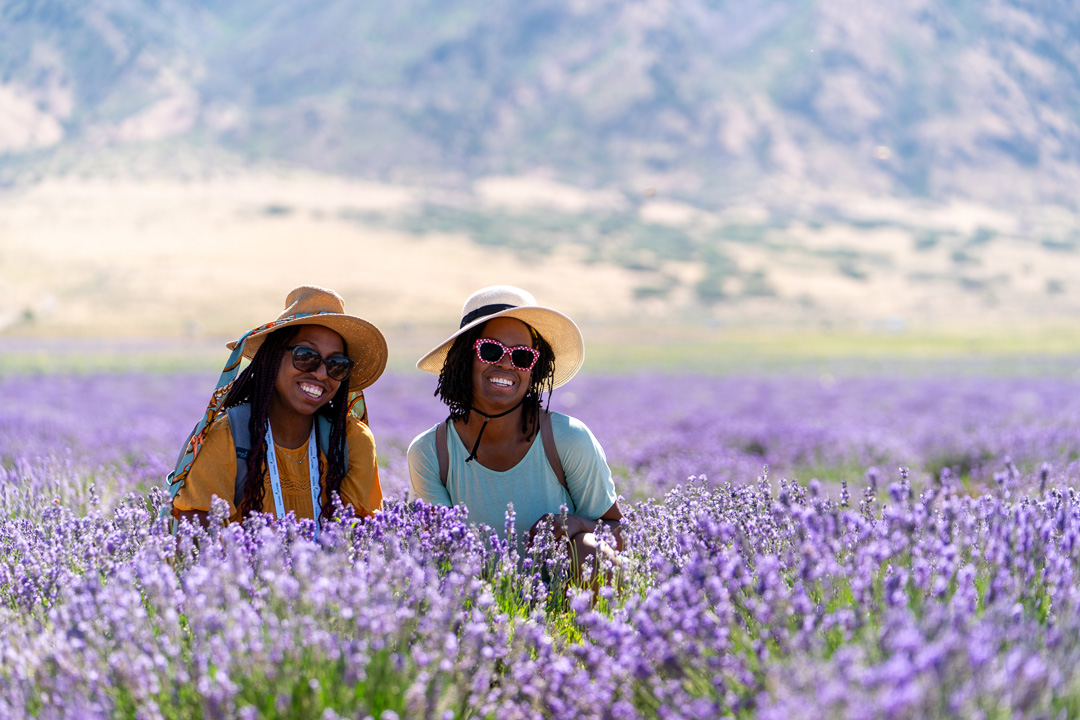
(424, 471)
(588, 480)
(212, 473)
(197, 517)
(577, 525)
(588, 477)
(361, 487)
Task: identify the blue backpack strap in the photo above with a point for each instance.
(323, 426)
(240, 426)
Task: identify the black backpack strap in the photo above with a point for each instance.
(552, 452)
(442, 451)
(239, 425)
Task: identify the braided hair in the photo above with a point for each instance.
(255, 385)
(455, 386)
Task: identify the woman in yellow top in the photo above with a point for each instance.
(302, 396)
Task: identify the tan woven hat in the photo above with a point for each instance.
(311, 305)
(507, 301)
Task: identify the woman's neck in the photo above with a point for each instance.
(291, 429)
(506, 428)
(497, 443)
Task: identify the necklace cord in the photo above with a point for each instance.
(476, 445)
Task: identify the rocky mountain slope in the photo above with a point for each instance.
(707, 99)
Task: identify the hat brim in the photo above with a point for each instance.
(364, 343)
(560, 332)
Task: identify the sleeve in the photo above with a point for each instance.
(361, 487)
(588, 476)
(424, 471)
(212, 473)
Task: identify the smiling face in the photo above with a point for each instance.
(301, 392)
(498, 387)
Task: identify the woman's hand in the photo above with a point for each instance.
(576, 525)
(200, 517)
(584, 546)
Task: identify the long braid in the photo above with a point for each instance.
(541, 380)
(255, 385)
(337, 461)
(254, 488)
(455, 379)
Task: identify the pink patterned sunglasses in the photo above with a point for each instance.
(492, 351)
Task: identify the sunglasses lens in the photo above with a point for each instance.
(522, 359)
(490, 352)
(338, 367)
(305, 359)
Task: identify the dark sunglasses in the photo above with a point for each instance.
(306, 359)
(492, 351)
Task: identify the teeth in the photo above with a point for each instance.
(502, 382)
(313, 391)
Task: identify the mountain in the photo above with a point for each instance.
(709, 99)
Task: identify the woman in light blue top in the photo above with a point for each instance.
(499, 446)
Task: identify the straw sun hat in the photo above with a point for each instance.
(506, 301)
(311, 305)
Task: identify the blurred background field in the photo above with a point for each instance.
(840, 422)
(625, 349)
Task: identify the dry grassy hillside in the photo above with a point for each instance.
(197, 259)
(168, 258)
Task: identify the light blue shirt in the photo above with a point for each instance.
(531, 485)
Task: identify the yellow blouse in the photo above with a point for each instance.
(214, 473)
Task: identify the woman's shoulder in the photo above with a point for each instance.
(424, 443)
(217, 447)
(357, 431)
(570, 432)
(219, 429)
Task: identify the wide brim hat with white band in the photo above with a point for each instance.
(497, 301)
(311, 305)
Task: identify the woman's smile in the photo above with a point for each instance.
(312, 390)
(297, 391)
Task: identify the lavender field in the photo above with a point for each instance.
(913, 550)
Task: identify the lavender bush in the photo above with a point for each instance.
(950, 590)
